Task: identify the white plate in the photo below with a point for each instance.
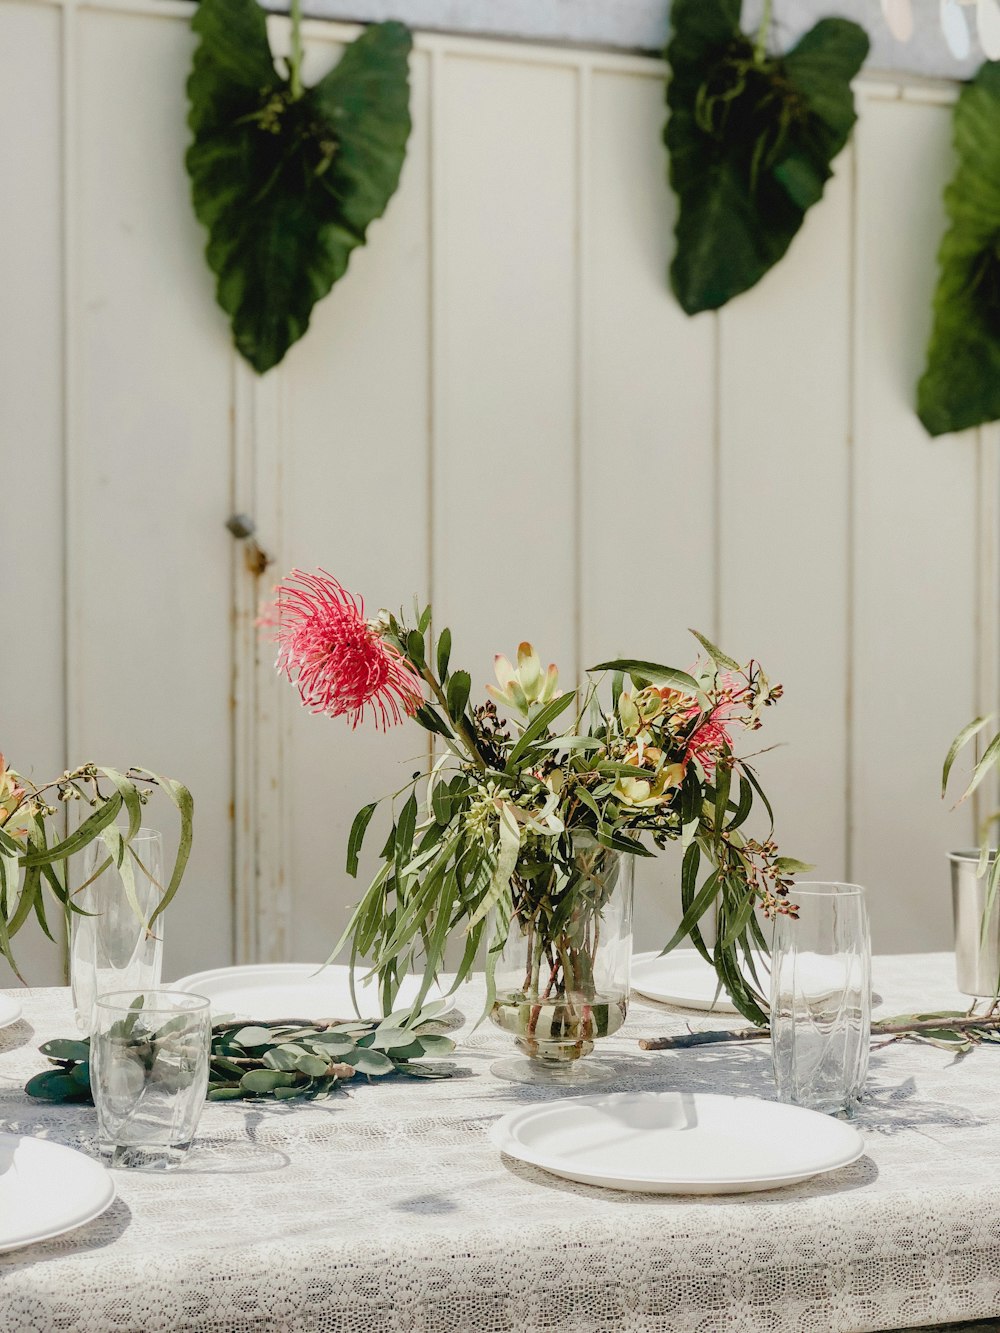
(47, 1189)
(270, 991)
(677, 1142)
(681, 978)
(10, 1010)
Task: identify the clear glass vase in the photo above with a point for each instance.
(821, 998)
(111, 950)
(562, 978)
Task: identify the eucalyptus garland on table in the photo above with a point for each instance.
(283, 1060)
(33, 857)
(285, 177)
(751, 138)
(961, 384)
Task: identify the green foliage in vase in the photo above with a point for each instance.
(282, 1060)
(961, 384)
(987, 763)
(517, 818)
(33, 856)
(287, 178)
(751, 139)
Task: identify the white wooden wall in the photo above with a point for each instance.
(501, 409)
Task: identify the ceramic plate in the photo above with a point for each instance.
(47, 1189)
(680, 978)
(677, 1142)
(270, 991)
(10, 1010)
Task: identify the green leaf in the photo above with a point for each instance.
(787, 865)
(287, 187)
(357, 836)
(252, 1037)
(433, 721)
(716, 654)
(443, 653)
(751, 142)
(459, 689)
(538, 726)
(960, 387)
(266, 1080)
(653, 672)
(367, 1061)
(66, 1049)
(56, 1086)
(990, 759)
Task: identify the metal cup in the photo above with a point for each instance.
(977, 953)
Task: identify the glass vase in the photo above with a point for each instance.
(562, 977)
(821, 998)
(111, 950)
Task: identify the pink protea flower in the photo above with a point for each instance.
(338, 660)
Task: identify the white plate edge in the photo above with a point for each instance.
(6, 1247)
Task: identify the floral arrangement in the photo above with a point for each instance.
(34, 856)
(986, 763)
(537, 793)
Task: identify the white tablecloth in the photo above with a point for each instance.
(387, 1210)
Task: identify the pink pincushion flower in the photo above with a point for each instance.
(339, 661)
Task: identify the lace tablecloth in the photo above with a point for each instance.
(387, 1210)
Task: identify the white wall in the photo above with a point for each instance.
(502, 409)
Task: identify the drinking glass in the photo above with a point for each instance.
(112, 950)
(149, 1060)
(821, 998)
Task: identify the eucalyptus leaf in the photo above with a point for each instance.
(751, 139)
(288, 179)
(960, 387)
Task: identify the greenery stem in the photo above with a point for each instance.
(459, 723)
(688, 1039)
(760, 43)
(295, 59)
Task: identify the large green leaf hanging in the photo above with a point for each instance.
(751, 138)
(961, 385)
(287, 178)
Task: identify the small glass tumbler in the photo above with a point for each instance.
(821, 998)
(111, 950)
(149, 1062)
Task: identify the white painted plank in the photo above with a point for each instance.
(915, 553)
(505, 417)
(648, 423)
(31, 659)
(354, 455)
(150, 593)
(784, 473)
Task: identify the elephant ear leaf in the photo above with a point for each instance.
(288, 184)
(961, 385)
(751, 140)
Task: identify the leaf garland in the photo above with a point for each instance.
(751, 138)
(286, 178)
(280, 1060)
(960, 387)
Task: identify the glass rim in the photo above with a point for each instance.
(181, 1000)
(821, 888)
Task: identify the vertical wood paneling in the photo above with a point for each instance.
(31, 493)
(783, 540)
(648, 424)
(505, 420)
(355, 464)
(915, 526)
(150, 608)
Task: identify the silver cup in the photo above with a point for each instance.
(977, 953)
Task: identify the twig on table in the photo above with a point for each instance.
(684, 1040)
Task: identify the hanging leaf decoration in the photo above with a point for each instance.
(751, 138)
(286, 178)
(961, 385)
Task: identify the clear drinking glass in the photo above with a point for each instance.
(821, 998)
(111, 950)
(149, 1059)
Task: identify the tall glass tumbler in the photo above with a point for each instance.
(111, 950)
(821, 998)
(149, 1062)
